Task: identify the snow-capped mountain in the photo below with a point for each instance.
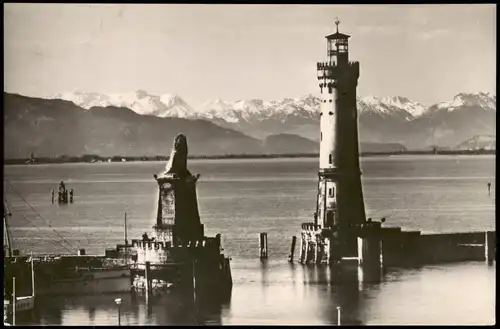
(42, 126)
(300, 116)
(252, 110)
(381, 119)
(256, 110)
(484, 100)
(450, 123)
(306, 107)
(166, 105)
(485, 142)
(397, 105)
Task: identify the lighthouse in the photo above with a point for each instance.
(340, 207)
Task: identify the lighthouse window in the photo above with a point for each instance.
(321, 136)
(331, 192)
(330, 159)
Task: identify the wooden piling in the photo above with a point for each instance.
(147, 275)
(489, 246)
(263, 246)
(193, 275)
(292, 250)
(338, 316)
(14, 300)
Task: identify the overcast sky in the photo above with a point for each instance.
(427, 53)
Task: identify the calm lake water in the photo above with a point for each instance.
(240, 199)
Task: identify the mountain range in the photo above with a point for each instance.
(480, 142)
(381, 119)
(140, 124)
(51, 128)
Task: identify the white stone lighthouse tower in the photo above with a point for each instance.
(340, 206)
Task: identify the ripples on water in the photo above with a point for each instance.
(240, 199)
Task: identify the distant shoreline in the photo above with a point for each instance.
(99, 159)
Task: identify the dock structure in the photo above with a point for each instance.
(171, 255)
(292, 249)
(177, 248)
(263, 251)
(64, 195)
(340, 232)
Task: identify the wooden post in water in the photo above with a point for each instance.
(32, 277)
(14, 299)
(338, 316)
(195, 305)
(126, 240)
(292, 250)
(489, 246)
(193, 273)
(263, 246)
(147, 272)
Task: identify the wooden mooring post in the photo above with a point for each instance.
(263, 246)
(147, 275)
(14, 300)
(292, 249)
(338, 316)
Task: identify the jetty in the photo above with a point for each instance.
(64, 195)
(340, 232)
(176, 253)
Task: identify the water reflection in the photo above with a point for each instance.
(344, 284)
(264, 270)
(272, 292)
(168, 308)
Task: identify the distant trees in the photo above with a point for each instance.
(90, 158)
(119, 158)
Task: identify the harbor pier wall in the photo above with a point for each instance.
(393, 247)
(401, 248)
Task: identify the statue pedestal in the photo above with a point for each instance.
(178, 219)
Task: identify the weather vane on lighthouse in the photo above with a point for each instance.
(337, 22)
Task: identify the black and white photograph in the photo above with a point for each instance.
(249, 164)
